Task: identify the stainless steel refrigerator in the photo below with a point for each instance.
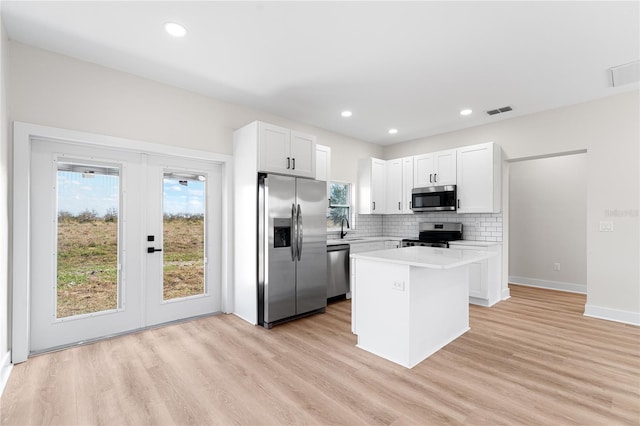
(292, 248)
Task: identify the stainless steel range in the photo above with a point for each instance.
(434, 234)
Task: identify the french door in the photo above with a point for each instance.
(119, 241)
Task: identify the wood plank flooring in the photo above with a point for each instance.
(533, 359)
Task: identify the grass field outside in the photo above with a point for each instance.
(87, 268)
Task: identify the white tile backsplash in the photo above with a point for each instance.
(475, 226)
(366, 225)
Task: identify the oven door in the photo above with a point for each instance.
(433, 198)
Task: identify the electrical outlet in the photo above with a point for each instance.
(556, 266)
(606, 226)
(398, 285)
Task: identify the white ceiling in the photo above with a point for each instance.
(408, 65)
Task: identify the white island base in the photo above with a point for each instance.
(408, 303)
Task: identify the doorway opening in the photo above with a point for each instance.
(547, 222)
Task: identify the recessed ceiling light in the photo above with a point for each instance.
(393, 131)
(175, 30)
(346, 113)
(465, 112)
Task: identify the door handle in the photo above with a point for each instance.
(293, 160)
(153, 249)
(430, 177)
(458, 202)
(399, 204)
(294, 233)
(374, 205)
(288, 162)
(299, 220)
(435, 177)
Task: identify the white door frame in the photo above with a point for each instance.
(23, 133)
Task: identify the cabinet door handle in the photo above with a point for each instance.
(293, 160)
(458, 202)
(288, 163)
(435, 177)
(430, 177)
(410, 205)
(399, 204)
(374, 205)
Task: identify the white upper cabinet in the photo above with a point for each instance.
(445, 167)
(384, 187)
(407, 184)
(479, 178)
(394, 186)
(372, 186)
(323, 163)
(423, 170)
(434, 169)
(303, 154)
(281, 150)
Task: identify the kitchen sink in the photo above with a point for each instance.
(336, 241)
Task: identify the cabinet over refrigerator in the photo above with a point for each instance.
(292, 244)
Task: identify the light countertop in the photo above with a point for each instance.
(474, 243)
(426, 257)
(360, 240)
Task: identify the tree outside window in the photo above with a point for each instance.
(339, 204)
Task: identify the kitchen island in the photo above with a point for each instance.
(410, 302)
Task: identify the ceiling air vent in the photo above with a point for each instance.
(499, 110)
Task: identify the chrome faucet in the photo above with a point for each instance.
(342, 233)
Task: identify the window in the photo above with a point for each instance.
(340, 196)
(87, 269)
(183, 237)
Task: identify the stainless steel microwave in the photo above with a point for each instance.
(434, 198)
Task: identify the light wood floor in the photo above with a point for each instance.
(533, 359)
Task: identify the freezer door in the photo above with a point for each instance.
(279, 288)
(312, 249)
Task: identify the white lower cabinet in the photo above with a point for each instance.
(485, 283)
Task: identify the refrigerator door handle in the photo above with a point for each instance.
(294, 233)
(299, 220)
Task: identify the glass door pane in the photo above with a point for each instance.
(183, 235)
(88, 202)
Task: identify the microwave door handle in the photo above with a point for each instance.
(299, 220)
(294, 233)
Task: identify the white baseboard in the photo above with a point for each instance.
(506, 293)
(5, 370)
(609, 314)
(552, 285)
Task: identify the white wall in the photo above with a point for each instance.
(548, 222)
(609, 129)
(55, 90)
(5, 310)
